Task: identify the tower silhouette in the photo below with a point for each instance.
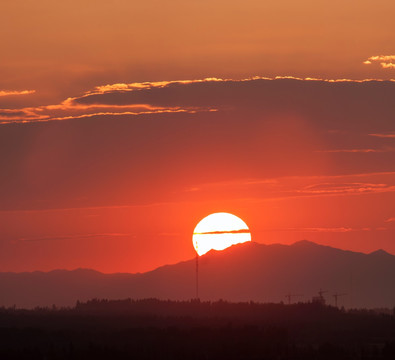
(336, 295)
(197, 276)
(289, 297)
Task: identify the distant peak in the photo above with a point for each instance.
(235, 247)
(380, 252)
(72, 271)
(304, 243)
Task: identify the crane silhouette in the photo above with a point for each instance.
(320, 299)
(336, 295)
(290, 296)
(321, 292)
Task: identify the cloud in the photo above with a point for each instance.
(340, 229)
(384, 135)
(9, 113)
(388, 65)
(148, 146)
(390, 219)
(382, 58)
(123, 113)
(242, 231)
(323, 229)
(363, 151)
(72, 237)
(340, 80)
(294, 187)
(190, 96)
(147, 85)
(70, 112)
(87, 208)
(16, 115)
(16, 93)
(121, 89)
(346, 188)
(78, 108)
(386, 61)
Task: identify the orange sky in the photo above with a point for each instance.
(108, 162)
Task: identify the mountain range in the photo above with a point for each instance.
(244, 272)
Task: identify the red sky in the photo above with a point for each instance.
(109, 161)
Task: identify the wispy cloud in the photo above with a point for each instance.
(17, 115)
(141, 98)
(326, 229)
(158, 111)
(10, 113)
(60, 112)
(124, 87)
(347, 188)
(127, 87)
(340, 229)
(73, 237)
(384, 135)
(343, 80)
(392, 219)
(386, 61)
(76, 108)
(358, 150)
(241, 231)
(147, 85)
(388, 65)
(301, 186)
(16, 93)
(88, 208)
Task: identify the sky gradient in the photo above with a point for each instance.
(123, 124)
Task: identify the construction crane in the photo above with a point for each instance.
(336, 295)
(290, 296)
(321, 292)
(320, 299)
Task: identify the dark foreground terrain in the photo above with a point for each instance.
(152, 329)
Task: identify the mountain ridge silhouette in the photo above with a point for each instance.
(243, 272)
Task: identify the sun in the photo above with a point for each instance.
(218, 231)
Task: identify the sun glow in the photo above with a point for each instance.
(218, 231)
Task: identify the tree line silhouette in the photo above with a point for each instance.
(155, 329)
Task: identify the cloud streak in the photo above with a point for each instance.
(300, 186)
(16, 93)
(242, 231)
(385, 61)
(347, 188)
(72, 237)
(123, 87)
(325, 229)
(28, 115)
(20, 115)
(76, 108)
(151, 98)
(384, 135)
(358, 151)
(322, 229)
(253, 134)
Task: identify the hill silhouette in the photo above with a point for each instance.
(249, 271)
(154, 329)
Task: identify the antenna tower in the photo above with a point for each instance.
(336, 295)
(197, 272)
(290, 296)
